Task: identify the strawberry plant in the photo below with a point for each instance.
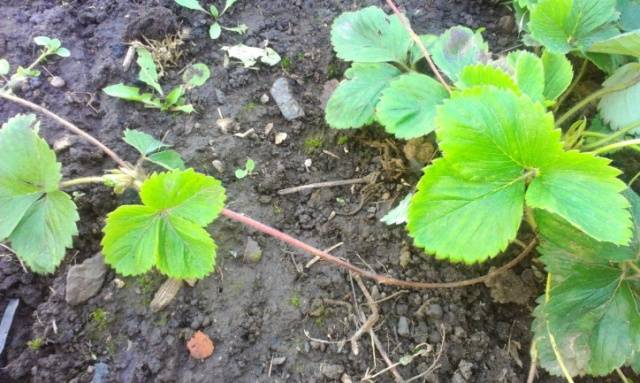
(215, 29)
(505, 160)
(194, 76)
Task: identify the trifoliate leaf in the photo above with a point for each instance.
(564, 25)
(143, 142)
(622, 44)
(38, 219)
(484, 74)
(4, 67)
(166, 231)
(352, 104)
(168, 159)
(494, 133)
(398, 214)
(458, 47)
(620, 109)
(407, 106)
(528, 73)
(369, 35)
(585, 191)
(629, 14)
(214, 31)
(415, 53)
(148, 73)
(493, 142)
(558, 74)
(462, 220)
(196, 75)
(191, 4)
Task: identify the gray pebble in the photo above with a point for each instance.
(403, 326)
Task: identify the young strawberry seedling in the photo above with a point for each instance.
(249, 166)
(505, 159)
(216, 28)
(194, 76)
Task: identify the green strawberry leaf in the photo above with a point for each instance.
(167, 230)
(469, 205)
(558, 74)
(415, 54)
(352, 104)
(398, 214)
(168, 159)
(143, 142)
(629, 14)
(565, 25)
(407, 106)
(458, 47)
(35, 216)
(510, 133)
(589, 285)
(620, 109)
(52, 45)
(484, 74)
(622, 44)
(585, 191)
(529, 73)
(148, 72)
(463, 220)
(369, 35)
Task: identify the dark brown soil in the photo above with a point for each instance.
(253, 312)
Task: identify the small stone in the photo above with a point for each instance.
(63, 143)
(318, 346)
(331, 371)
(507, 23)
(217, 164)
(281, 93)
(119, 283)
(434, 311)
(403, 326)
(465, 368)
(85, 280)
(264, 98)
(225, 124)
(345, 378)
(268, 128)
(101, 371)
(252, 251)
(280, 137)
(278, 361)
(57, 82)
(200, 346)
(457, 378)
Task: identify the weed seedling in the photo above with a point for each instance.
(249, 167)
(194, 76)
(215, 29)
(50, 47)
(35, 344)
